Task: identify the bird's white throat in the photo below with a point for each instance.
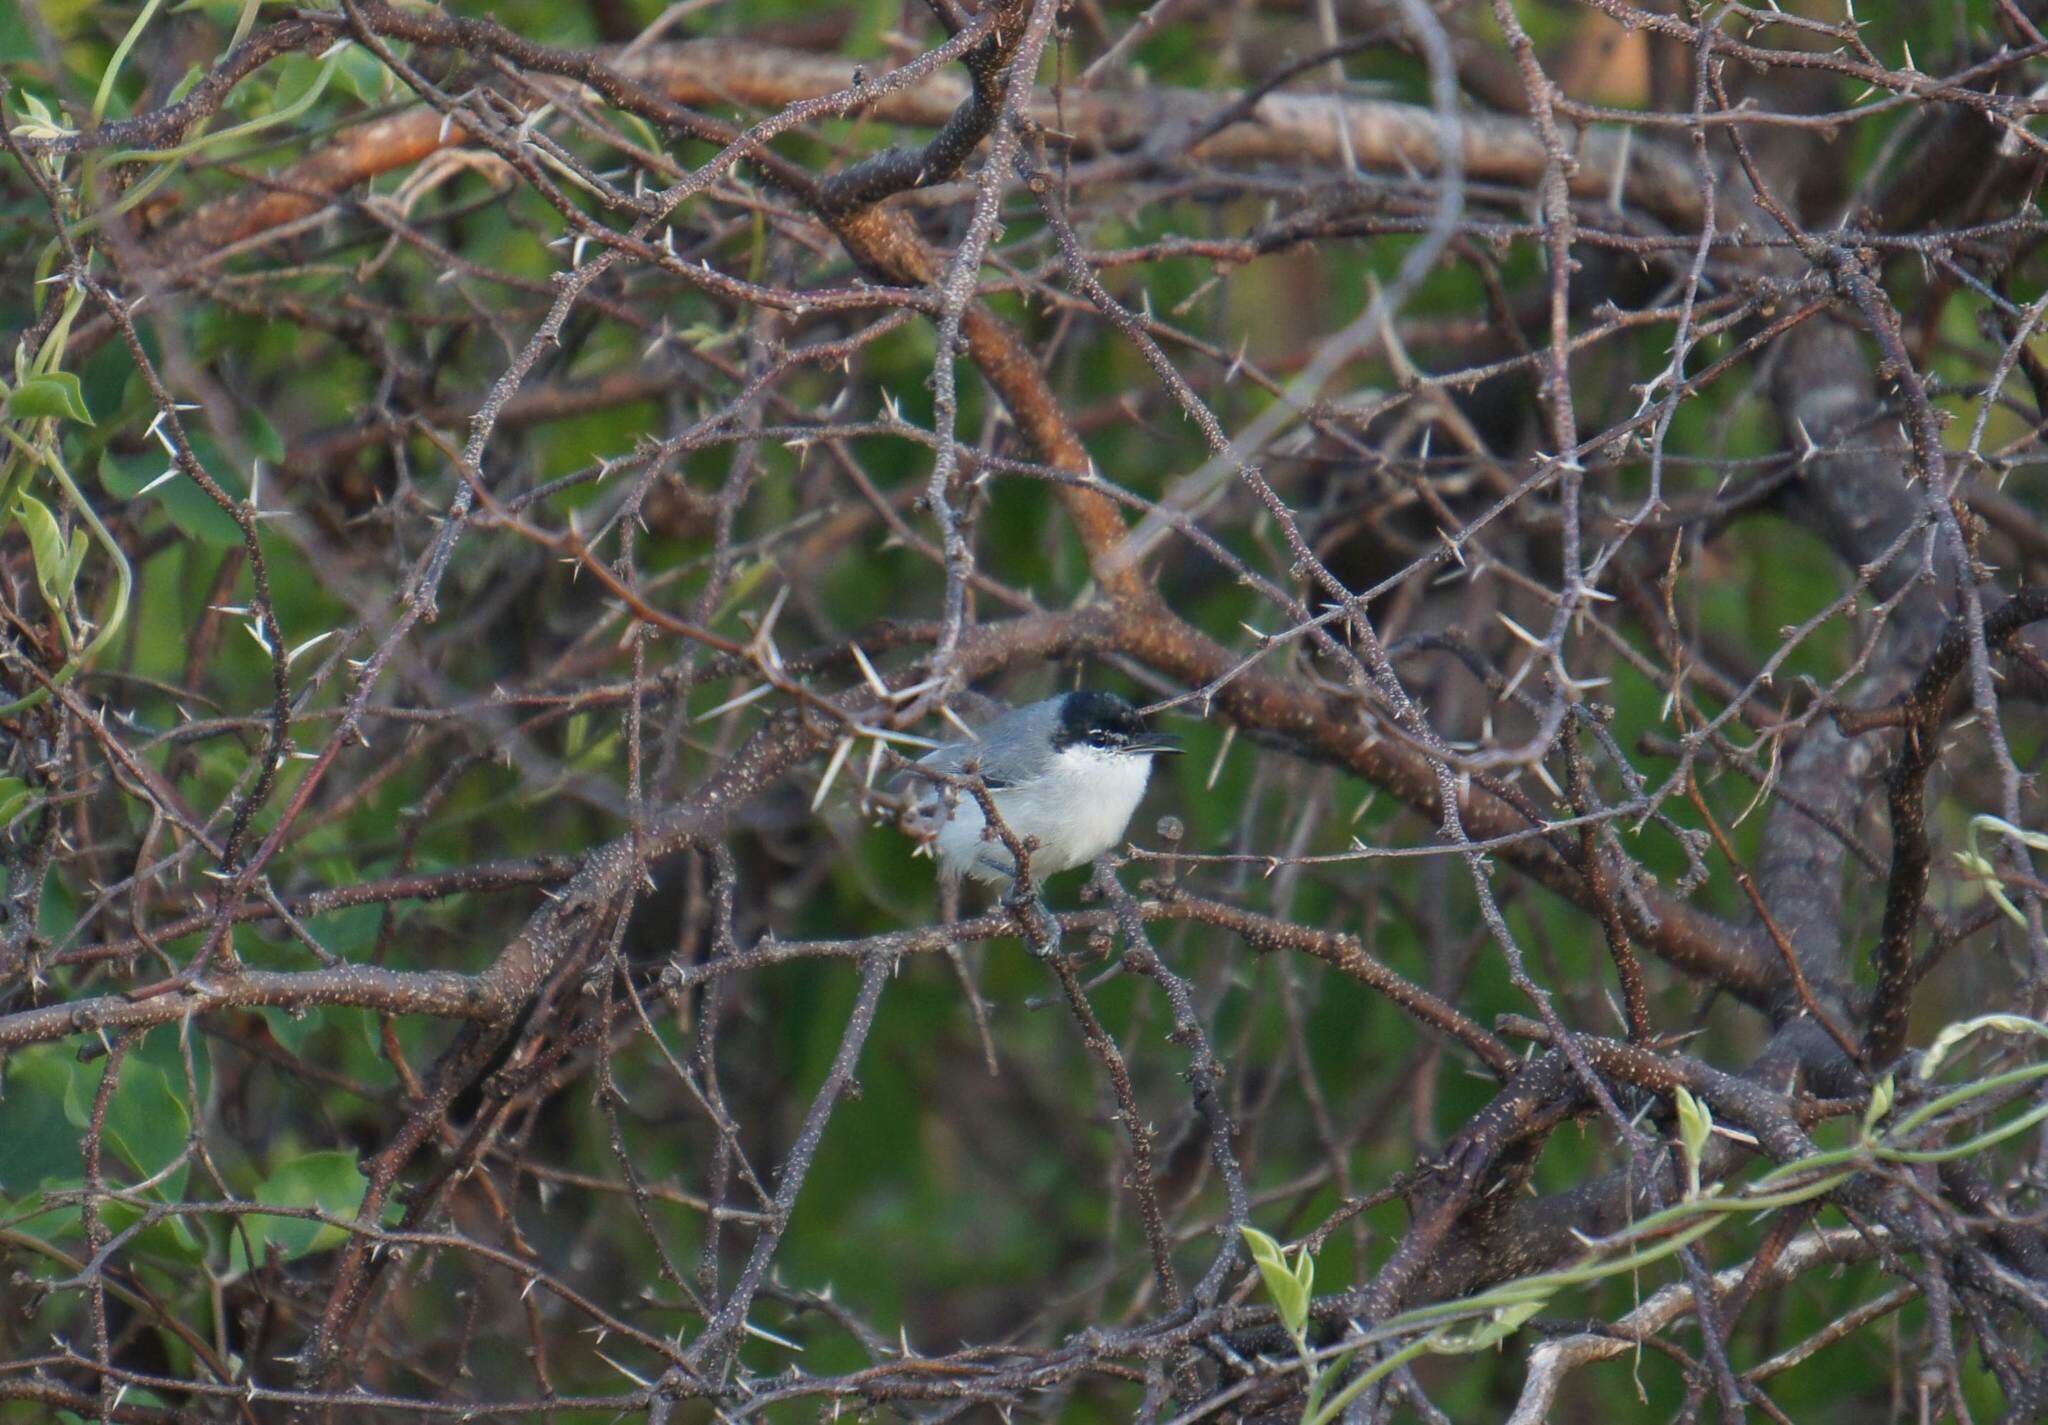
(1077, 809)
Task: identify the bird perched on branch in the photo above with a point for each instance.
(1066, 773)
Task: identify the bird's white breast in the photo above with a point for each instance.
(1077, 810)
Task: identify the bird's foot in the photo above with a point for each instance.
(1035, 921)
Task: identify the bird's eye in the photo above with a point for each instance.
(1102, 737)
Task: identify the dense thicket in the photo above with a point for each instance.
(490, 494)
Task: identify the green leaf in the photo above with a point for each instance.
(148, 1124)
(171, 1241)
(190, 508)
(1289, 1293)
(1881, 1097)
(17, 47)
(47, 547)
(1980, 866)
(42, 124)
(264, 440)
(742, 588)
(347, 932)
(1947, 1040)
(1264, 1248)
(14, 795)
(364, 75)
(193, 74)
(40, 1147)
(1695, 1126)
(298, 74)
(638, 129)
(54, 393)
(57, 913)
(329, 1180)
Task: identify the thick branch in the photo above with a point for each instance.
(1924, 707)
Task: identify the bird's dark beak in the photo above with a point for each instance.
(1157, 743)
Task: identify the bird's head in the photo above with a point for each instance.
(1106, 723)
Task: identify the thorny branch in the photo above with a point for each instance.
(1584, 510)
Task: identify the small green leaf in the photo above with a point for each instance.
(296, 77)
(264, 440)
(193, 74)
(742, 588)
(47, 547)
(364, 75)
(54, 393)
(2036, 839)
(1955, 1034)
(1981, 869)
(702, 336)
(1695, 1126)
(42, 124)
(638, 129)
(1289, 1300)
(74, 560)
(1881, 1098)
(1264, 1248)
(14, 795)
(1289, 1292)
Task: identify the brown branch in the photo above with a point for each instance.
(1283, 128)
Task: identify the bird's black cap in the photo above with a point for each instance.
(1109, 722)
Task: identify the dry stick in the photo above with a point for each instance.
(1205, 1083)
(1136, 1129)
(244, 869)
(1560, 228)
(1883, 321)
(1384, 135)
(483, 877)
(1635, 993)
(1340, 951)
(555, 933)
(524, 963)
(1019, 56)
(1848, 269)
(1348, 955)
(352, 1280)
(1559, 233)
(712, 1350)
(96, 1232)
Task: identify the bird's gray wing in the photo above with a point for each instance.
(1013, 748)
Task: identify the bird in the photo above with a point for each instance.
(1067, 772)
